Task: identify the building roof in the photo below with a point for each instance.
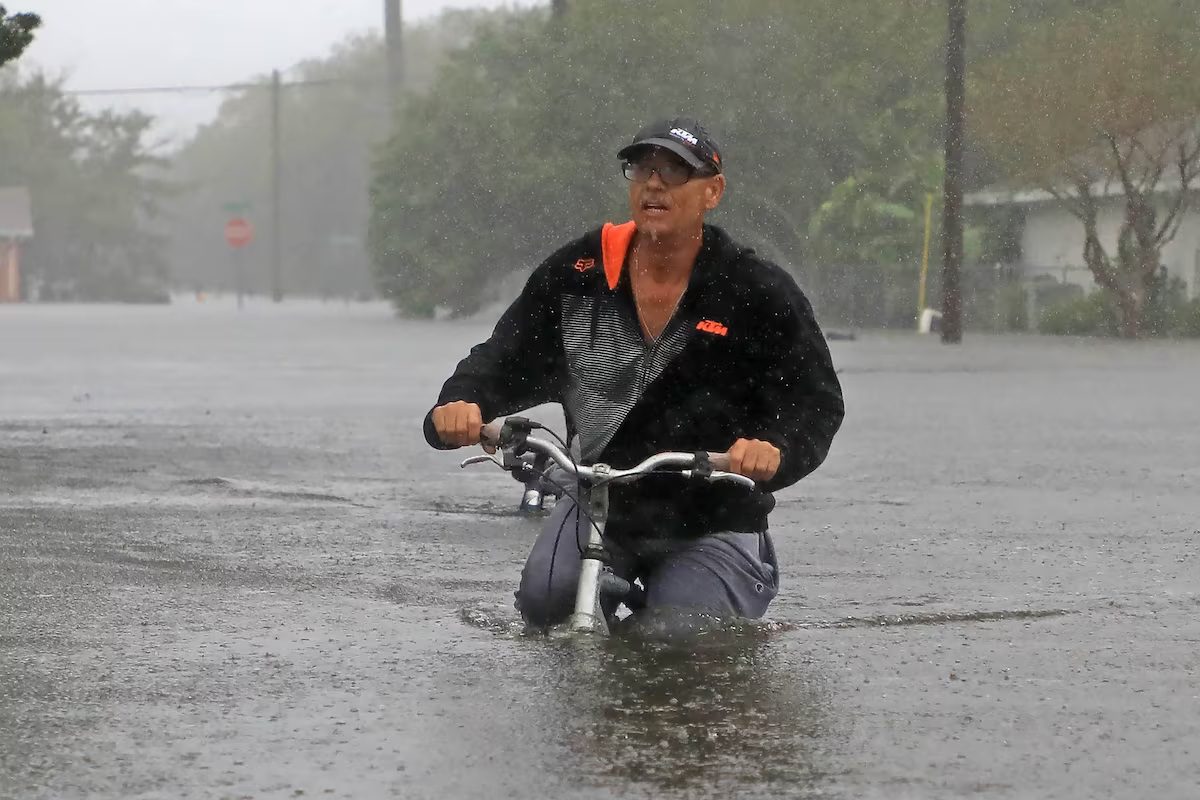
(16, 216)
(1008, 196)
(1161, 138)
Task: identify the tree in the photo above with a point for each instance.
(1106, 105)
(16, 32)
(225, 170)
(334, 109)
(512, 148)
(94, 189)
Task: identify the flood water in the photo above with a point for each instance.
(230, 567)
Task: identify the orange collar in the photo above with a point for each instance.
(614, 246)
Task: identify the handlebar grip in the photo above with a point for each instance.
(719, 461)
(490, 433)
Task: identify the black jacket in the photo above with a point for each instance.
(748, 360)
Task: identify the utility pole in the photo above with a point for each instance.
(394, 35)
(276, 255)
(952, 225)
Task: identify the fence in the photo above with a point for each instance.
(997, 297)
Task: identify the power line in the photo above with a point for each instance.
(224, 87)
(275, 85)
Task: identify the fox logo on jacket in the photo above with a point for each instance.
(584, 264)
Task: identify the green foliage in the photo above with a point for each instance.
(1082, 315)
(1105, 102)
(513, 150)
(93, 187)
(16, 33)
(1011, 308)
(1187, 321)
(1168, 312)
(336, 110)
(829, 112)
(1117, 70)
(226, 171)
(870, 218)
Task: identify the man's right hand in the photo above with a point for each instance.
(458, 423)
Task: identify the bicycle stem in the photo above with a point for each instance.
(588, 613)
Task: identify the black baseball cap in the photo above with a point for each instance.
(683, 136)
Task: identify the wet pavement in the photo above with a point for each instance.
(229, 567)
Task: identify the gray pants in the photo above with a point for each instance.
(723, 574)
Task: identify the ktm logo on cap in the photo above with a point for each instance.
(687, 136)
(584, 264)
(708, 326)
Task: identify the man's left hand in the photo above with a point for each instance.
(754, 458)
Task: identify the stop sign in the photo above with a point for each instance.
(239, 232)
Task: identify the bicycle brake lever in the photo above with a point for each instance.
(481, 459)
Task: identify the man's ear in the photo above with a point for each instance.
(714, 191)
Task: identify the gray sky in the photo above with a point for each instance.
(127, 43)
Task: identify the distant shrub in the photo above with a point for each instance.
(1168, 307)
(1187, 320)
(1087, 315)
(1168, 313)
(1011, 307)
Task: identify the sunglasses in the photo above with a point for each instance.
(672, 173)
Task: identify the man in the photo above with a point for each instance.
(660, 334)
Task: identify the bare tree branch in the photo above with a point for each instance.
(1187, 163)
(1150, 168)
(1122, 170)
(1094, 254)
(1161, 162)
(1098, 261)
(1073, 201)
(1192, 160)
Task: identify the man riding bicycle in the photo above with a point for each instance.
(660, 334)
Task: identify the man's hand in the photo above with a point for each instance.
(754, 458)
(458, 423)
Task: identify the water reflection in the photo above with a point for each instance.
(718, 714)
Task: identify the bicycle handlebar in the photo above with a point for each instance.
(490, 434)
(718, 463)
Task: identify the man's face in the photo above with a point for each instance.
(662, 209)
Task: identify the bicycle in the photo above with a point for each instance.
(552, 469)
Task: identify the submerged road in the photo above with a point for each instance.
(229, 567)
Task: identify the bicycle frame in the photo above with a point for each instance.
(588, 614)
(512, 438)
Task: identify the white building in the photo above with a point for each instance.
(1051, 238)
